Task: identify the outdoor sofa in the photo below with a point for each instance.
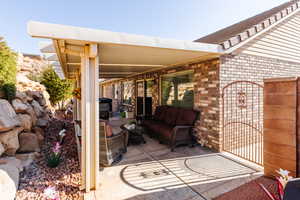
(172, 125)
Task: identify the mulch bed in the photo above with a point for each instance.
(251, 190)
(65, 178)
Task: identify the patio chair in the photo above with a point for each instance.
(292, 190)
(112, 145)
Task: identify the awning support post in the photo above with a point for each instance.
(90, 118)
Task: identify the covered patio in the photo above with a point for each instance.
(149, 171)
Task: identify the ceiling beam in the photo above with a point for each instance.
(123, 65)
(117, 73)
(130, 65)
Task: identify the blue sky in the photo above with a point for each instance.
(176, 19)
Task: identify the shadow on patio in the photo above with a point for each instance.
(151, 171)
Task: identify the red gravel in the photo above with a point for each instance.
(65, 178)
(251, 190)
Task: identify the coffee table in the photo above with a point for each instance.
(135, 136)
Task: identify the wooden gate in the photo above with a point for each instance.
(242, 106)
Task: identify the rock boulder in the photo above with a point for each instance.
(42, 123)
(22, 96)
(10, 141)
(39, 111)
(1, 149)
(26, 121)
(8, 116)
(38, 130)
(9, 177)
(32, 114)
(19, 106)
(29, 142)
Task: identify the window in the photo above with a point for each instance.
(149, 88)
(177, 89)
(140, 89)
(127, 92)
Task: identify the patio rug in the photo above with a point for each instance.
(251, 191)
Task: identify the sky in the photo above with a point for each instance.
(174, 19)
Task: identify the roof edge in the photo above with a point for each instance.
(240, 39)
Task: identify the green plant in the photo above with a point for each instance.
(132, 122)
(123, 114)
(54, 158)
(34, 77)
(59, 89)
(9, 90)
(8, 69)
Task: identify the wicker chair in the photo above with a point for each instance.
(111, 148)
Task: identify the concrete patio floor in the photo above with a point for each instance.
(151, 171)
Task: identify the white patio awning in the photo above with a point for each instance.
(120, 54)
(82, 53)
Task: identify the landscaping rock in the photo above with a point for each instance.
(9, 181)
(1, 149)
(36, 95)
(22, 96)
(19, 106)
(46, 97)
(8, 117)
(37, 108)
(32, 114)
(38, 130)
(40, 138)
(29, 96)
(10, 141)
(26, 159)
(42, 123)
(28, 142)
(26, 121)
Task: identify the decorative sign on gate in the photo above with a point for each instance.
(242, 99)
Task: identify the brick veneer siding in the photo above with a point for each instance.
(207, 101)
(254, 68)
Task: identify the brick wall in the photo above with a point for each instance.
(254, 68)
(206, 100)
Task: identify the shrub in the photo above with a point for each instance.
(58, 89)
(9, 90)
(34, 77)
(8, 70)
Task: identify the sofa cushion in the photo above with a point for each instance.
(161, 129)
(166, 131)
(163, 112)
(157, 112)
(171, 116)
(186, 117)
(154, 126)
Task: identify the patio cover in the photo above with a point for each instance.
(120, 54)
(81, 53)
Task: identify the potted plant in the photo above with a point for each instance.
(77, 93)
